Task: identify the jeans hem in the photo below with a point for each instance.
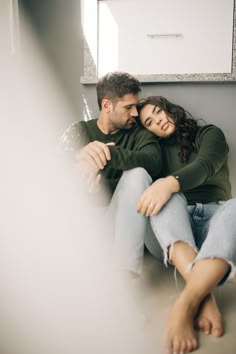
(230, 274)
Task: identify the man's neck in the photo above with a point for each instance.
(105, 126)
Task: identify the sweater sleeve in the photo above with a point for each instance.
(145, 153)
(70, 141)
(212, 153)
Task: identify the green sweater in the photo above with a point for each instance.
(205, 177)
(135, 147)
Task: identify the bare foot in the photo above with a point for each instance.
(179, 335)
(209, 318)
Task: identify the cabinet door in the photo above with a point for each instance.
(149, 37)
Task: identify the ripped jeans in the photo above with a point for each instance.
(210, 229)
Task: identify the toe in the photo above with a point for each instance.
(194, 344)
(204, 325)
(217, 331)
(176, 346)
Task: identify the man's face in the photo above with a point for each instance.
(124, 112)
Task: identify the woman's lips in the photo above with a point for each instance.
(164, 126)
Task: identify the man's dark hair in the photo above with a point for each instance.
(115, 85)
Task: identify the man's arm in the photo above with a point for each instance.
(74, 142)
(96, 153)
(146, 153)
(70, 141)
(87, 157)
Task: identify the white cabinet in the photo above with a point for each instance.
(166, 40)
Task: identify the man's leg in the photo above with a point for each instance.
(129, 226)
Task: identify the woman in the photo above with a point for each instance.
(195, 228)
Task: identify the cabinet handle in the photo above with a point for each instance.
(165, 35)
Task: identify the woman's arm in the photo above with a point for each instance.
(212, 152)
(157, 195)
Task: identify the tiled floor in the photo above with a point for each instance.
(161, 289)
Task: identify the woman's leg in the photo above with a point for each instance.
(172, 224)
(173, 231)
(179, 336)
(208, 318)
(221, 235)
(214, 263)
(220, 243)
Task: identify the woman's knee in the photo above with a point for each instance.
(177, 203)
(176, 198)
(225, 214)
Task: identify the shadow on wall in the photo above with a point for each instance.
(57, 25)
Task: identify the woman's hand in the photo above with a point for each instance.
(157, 195)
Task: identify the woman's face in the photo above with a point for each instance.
(157, 121)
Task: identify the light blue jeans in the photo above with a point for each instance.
(210, 229)
(128, 227)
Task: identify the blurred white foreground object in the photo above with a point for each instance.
(58, 294)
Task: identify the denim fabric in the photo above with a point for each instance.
(128, 227)
(209, 228)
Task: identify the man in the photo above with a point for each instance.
(113, 151)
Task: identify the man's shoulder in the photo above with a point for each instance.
(77, 134)
(81, 126)
(86, 124)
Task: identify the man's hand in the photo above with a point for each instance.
(157, 195)
(93, 183)
(95, 153)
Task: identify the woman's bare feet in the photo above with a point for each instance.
(179, 335)
(209, 318)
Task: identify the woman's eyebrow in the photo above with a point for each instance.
(147, 119)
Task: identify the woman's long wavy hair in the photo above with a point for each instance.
(186, 125)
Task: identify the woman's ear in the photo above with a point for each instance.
(106, 105)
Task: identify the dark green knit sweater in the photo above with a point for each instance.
(205, 177)
(135, 147)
